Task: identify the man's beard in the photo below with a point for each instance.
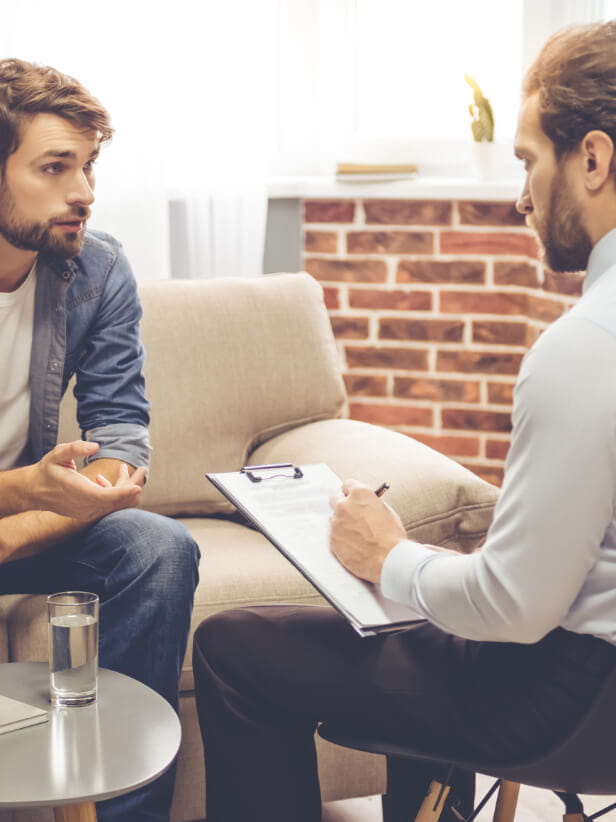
(565, 241)
(36, 236)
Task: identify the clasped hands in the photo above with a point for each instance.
(364, 529)
(56, 485)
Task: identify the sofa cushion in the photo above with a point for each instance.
(257, 357)
(439, 501)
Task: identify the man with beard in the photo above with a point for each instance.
(519, 636)
(69, 305)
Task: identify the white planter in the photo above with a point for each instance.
(485, 160)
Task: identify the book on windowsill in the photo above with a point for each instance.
(374, 173)
(15, 714)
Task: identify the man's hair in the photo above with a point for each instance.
(575, 75)
(27, 89)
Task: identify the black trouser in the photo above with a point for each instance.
(266, 675)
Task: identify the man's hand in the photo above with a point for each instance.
(56, 485)
(363, 531)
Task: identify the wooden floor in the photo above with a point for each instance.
(534, 805)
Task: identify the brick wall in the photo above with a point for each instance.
(434, 304)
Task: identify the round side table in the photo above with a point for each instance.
(81, 755)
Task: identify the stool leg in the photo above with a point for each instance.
(82, 812)
(434, 801)
(574, 809)
(506, 801)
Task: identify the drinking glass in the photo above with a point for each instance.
(73, 647)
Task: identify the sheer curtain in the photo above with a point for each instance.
(192, 90)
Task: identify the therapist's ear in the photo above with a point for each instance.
(597, 150)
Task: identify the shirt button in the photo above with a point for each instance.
(66, 275)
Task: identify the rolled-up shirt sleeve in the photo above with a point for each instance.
(556, 504)
(122, 441)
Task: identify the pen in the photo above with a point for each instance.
(381, 489)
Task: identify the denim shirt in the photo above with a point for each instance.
(86, 322)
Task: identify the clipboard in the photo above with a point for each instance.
(289, 505)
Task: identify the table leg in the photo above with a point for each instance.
(82, 812)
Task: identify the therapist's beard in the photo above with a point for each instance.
(565, 241)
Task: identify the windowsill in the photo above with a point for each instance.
(421, 188)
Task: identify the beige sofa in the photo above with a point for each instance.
(246, 371)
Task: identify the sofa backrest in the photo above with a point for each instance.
(230, 363)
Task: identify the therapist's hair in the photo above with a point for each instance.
(575, 75)
(28, 89)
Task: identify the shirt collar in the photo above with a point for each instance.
(602, 257)
(63, 268)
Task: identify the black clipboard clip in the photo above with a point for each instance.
(249, 470)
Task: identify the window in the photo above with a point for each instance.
(388, 75)
(411, 67)
(301, 83)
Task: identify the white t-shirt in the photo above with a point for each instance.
(16, 325)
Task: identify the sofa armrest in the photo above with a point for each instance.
(439, 501)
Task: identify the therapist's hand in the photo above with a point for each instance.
(363, 530)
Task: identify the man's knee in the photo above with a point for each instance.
(240, 639)
(149, 544)
(227, 637)
(221, 631)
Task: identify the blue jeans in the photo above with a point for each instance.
(144, 567)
